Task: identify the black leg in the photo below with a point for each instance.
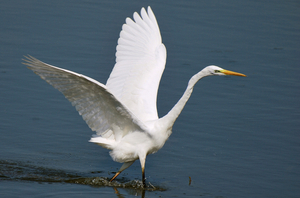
(143, 178)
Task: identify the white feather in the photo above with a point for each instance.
(98, 107)
(140, 62)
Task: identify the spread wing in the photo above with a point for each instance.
(98, 107)
(140, 62)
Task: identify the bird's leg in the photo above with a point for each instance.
(118, 173)
(143, 161)
(123, 167)
(143, 177)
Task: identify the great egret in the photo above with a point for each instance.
(123, 112)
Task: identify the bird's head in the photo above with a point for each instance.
(215, 70)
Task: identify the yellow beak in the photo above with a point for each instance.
(227, 72)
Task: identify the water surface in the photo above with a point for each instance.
(237, 137)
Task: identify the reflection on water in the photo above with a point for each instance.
(20, 171)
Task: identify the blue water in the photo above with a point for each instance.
(237, 137)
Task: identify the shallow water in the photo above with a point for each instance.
(237, 137)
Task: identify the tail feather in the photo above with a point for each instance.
(105, 143)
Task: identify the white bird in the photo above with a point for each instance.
(123, 112)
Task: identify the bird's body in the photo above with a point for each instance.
(123, 112)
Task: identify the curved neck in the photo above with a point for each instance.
(176, 110)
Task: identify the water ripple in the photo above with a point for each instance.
(20, 171)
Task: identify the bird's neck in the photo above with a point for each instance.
(173, 114)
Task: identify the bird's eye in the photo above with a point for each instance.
(217, 71)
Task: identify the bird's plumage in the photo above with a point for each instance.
(98, 107)
(123, 112)
(140, 62)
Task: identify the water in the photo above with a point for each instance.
(237, 137)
